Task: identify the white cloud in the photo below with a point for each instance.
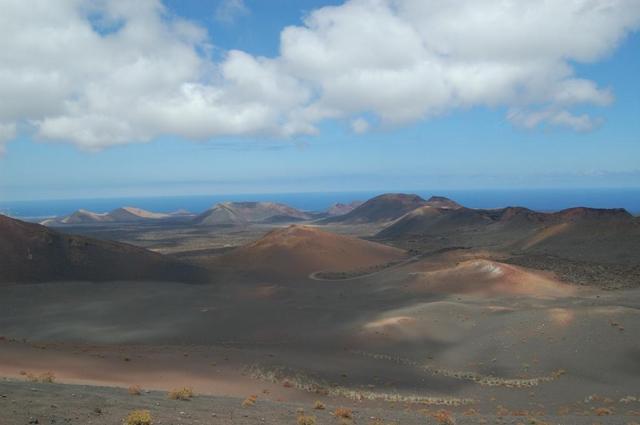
(360, 125)
(100, 73)
(230, 10)
(555, 117)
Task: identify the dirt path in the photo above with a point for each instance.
(314, 275)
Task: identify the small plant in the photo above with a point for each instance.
(139, 417)
(603, 411)
(250, 401)
(344, 413)
(444, 417)
(135, 390)
(45, 378)
(184, 394)
(306, 420)
(318, 405)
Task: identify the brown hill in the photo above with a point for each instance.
(583, 213)
(442, 202)
(604, 239)
(504, 223)
(297, 251)
(33, 253)
(382, 208)
(435, 221)
(241, 213)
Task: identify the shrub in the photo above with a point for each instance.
(135, 390)
(184, 394)
(444, 418)
(139, 417)
(318, 405)
(250, 401)
(306, 420)
(344, 413)
(603, 411)
(45, 378)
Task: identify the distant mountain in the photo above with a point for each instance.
(34, 253)
(119, 215)
(428, 219)
(583, 213)
(220, 215)
(580, 234)
(382, 208)
(342, 209)
(79, 217)
(242, 213)
(297, 251)
(126, 214)
(444, 220)
(442, 202)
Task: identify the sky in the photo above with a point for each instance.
(109, 98)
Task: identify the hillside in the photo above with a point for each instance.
(382, 208)
(33, 253)
(297, 251)
(432, 220)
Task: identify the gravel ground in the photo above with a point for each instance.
(23, 403)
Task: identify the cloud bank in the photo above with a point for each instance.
(108, 72)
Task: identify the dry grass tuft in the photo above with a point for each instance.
(250, 401)
(184, 394)
(318, 405)
(343, 412)
(444, 417)
(603, 411)
(139, 417)
(135, 390)
(306, 420)
(45, 378)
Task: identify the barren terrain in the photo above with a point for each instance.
(295, 315)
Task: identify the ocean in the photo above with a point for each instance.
(536, 199)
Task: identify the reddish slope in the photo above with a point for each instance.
(297, 251)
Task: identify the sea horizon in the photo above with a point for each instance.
(539, 199)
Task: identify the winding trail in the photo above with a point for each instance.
(314, 275)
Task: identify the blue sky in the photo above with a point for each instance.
(474, 145)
